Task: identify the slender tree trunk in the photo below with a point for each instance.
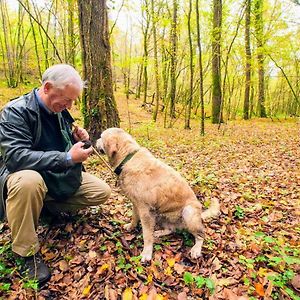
(37, 53)
(146, 28)
(200, 68)
(216, 62)
(173, 61)
(71, 34)
(99, 106)
(248, 60)
(9, 57)
(258, 12)
(190, 98)
(157, 92)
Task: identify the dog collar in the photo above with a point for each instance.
(128, 157)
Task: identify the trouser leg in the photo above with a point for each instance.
(92, 192)
(26, 191)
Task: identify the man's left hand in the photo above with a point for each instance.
(80, 134)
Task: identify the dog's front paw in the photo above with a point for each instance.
(129, 227)
(195, 252)
(146, 255)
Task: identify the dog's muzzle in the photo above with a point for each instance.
(99, 146)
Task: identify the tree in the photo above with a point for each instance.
(200, 67)
(248, 60)
(145, 29)
(216, 62)
(173, 55)
(259, 34)
(156, 71)
(190, 97)
(98, 102)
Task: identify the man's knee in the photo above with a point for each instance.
(26, 180)
(103, 193)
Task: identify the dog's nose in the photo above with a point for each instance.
(99, 146)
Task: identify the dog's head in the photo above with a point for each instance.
(116, 144)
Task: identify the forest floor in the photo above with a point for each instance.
(251, 251)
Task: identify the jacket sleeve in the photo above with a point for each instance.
(16, 140)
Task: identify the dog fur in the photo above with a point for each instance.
(159, 194)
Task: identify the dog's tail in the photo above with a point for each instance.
(212, 211)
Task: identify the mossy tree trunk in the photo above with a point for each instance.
(248, 60)
(216, 62)
(259, 34)
(98, 103)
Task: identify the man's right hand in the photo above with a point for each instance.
(78, 153)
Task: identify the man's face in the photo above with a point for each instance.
(58, 99)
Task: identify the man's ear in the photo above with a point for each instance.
(47, 87)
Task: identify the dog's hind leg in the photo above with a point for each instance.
(193, 222)
(134, 219)
(148, 223)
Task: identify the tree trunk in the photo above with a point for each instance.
(216, 62)
(173, 61)
(9, 61)
(190, 97)
(258, 11)
(248, 60)
(200, 68)
(98, 104)
(71, 33)
(146, 28)
(157, 93)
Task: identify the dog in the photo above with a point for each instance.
(159, 194)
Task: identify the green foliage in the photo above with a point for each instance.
(239, 212)
(30, 284)
(275, 256)
(199, 281)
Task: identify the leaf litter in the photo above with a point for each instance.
(250, 252)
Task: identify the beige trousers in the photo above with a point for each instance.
(26, 195)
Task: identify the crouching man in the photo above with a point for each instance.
(41, 163)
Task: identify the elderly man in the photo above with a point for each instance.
(41, 163)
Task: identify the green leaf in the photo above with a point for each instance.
(4, 286)
(210, 285)
(188, 278)
(200, 281)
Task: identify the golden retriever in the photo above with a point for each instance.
(159, 194)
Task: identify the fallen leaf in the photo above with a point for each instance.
(182, 296)
(63, 266)
(259, 289)
(127, 294)
(229, 295)
(92, 254)
(171, 262)
(216, 264)
(296, 282)
(86, 290)
(179, 268)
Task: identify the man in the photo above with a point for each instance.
(41, 162)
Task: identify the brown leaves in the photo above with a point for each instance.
(255, 168)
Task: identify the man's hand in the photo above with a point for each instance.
(80, 134)
(78, 153)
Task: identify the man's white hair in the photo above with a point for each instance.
(62, 75)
